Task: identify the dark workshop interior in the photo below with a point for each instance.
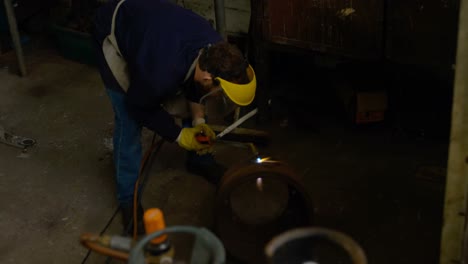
(351, 140)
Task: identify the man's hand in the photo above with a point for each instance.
(187, 138)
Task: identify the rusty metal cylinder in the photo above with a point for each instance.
(257, 200)
(306, 245)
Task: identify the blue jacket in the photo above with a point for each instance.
(159, 40)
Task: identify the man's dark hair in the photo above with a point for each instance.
(226, 61)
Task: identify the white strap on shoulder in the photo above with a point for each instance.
(112, 33)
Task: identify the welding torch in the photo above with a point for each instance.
(202, 138)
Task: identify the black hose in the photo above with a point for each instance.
(145, 173)
(145, 168)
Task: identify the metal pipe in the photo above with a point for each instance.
(354, 250)
(91, 241)
(453, 248)
(237, 123)
(10, 13)
(220, 16)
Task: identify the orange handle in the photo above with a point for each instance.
(202, 138)
(154, 221)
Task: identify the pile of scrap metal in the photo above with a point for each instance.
(293, 246)
(263, 215)
(260, 206)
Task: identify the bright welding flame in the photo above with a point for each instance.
(260, 160)
(260, 184)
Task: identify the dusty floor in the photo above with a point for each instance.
(363, 181)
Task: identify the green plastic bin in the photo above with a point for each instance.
(74, 45)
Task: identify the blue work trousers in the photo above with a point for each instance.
(127, 148)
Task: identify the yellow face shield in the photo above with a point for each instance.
(217, 105)
(221, 102)
(240, 94)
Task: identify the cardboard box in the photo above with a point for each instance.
(362, 107)
(370, 106)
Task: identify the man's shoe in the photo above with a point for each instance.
(127, 220)
(205, 166)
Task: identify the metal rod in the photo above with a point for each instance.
(10, 12)
(237, 123)
(453, 248)
(220, 16)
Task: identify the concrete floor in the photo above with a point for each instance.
(363, 181)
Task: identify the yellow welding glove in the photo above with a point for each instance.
(188, 138)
